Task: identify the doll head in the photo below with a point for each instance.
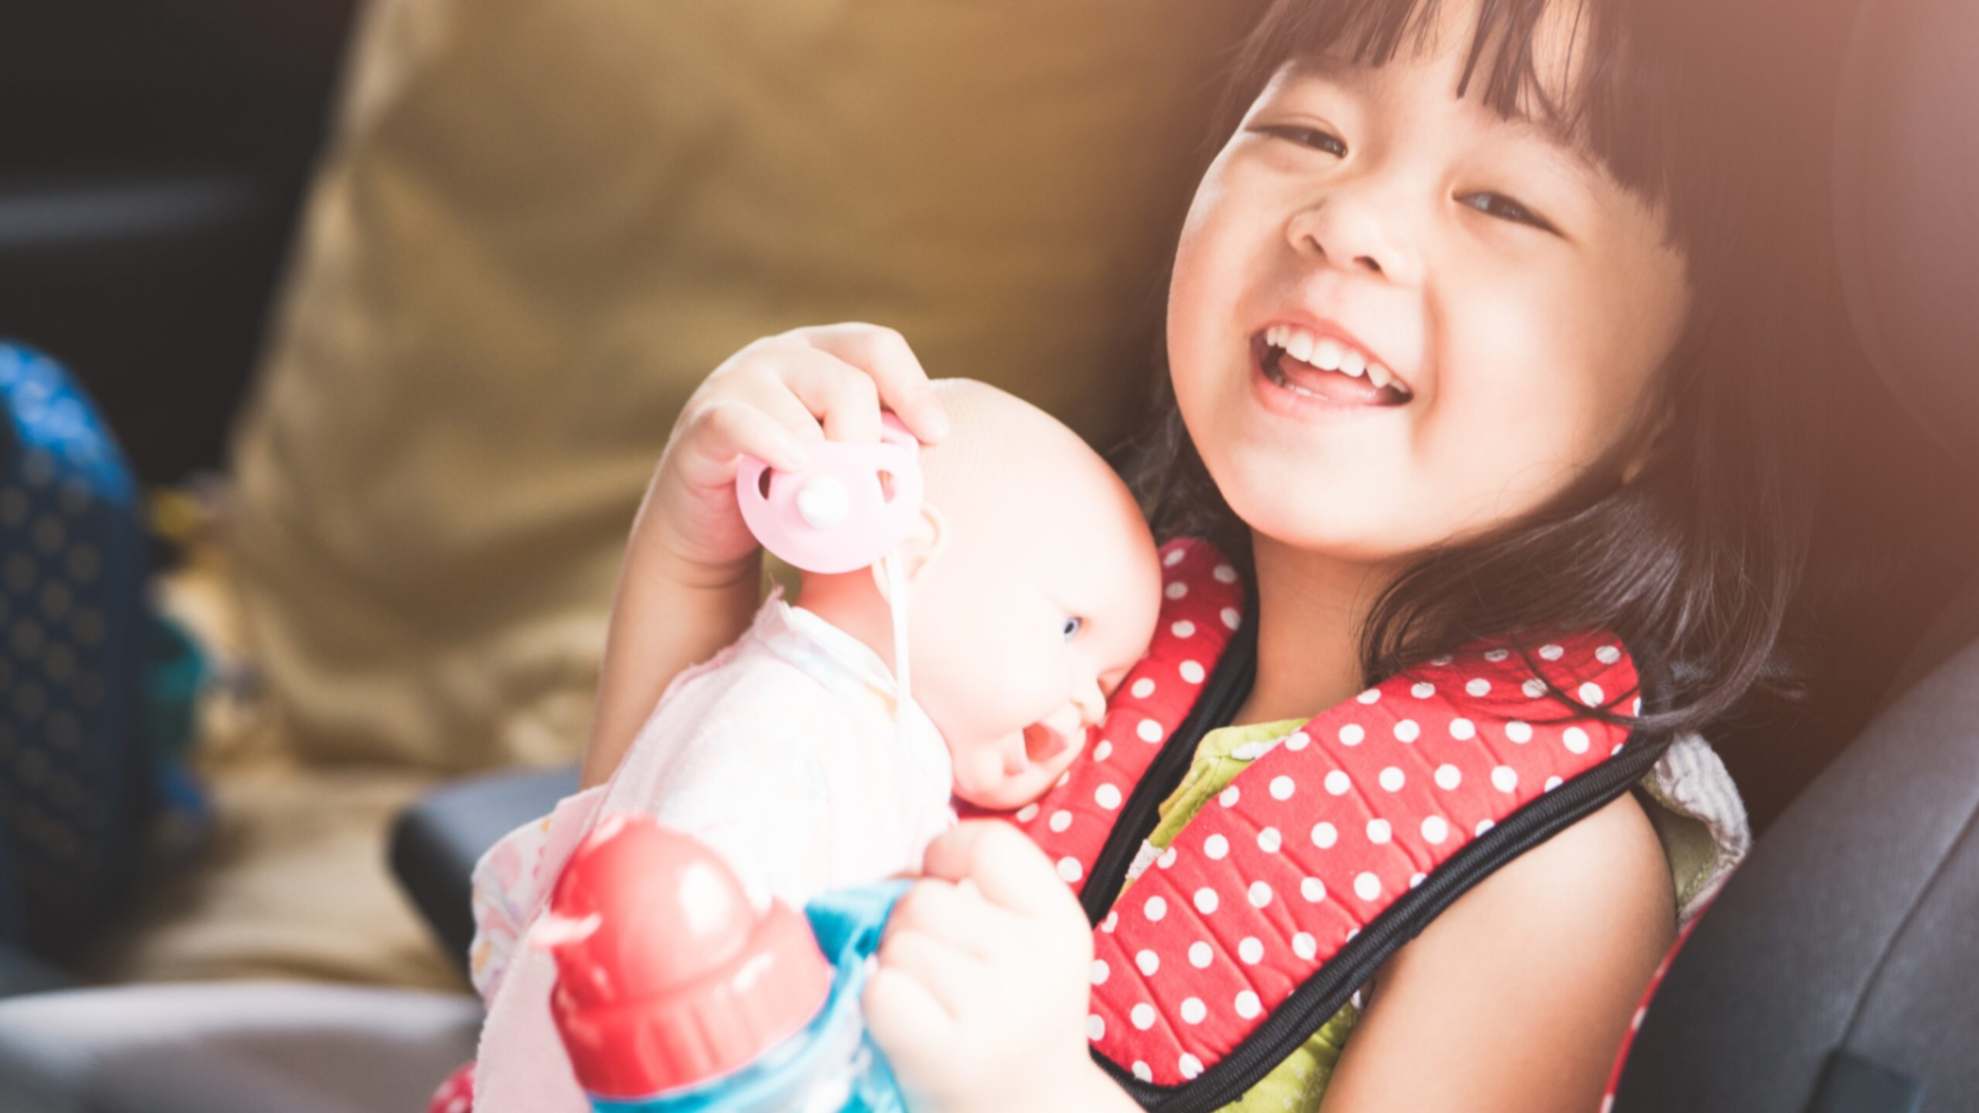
(1033, 587)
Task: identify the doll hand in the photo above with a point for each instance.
(770, 400)
(980, 997)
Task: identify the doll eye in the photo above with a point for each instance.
(1071, 627)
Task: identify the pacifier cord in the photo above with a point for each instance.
(896, 604)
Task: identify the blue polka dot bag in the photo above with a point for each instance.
(76, 773)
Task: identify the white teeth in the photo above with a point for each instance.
(1326, 354)
(1378, 375)
(1353, 363)
(1300, 345)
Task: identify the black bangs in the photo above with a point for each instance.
(1626, 103)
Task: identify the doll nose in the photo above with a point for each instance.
(1091, 702)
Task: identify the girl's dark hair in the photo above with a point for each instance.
(1693, 563)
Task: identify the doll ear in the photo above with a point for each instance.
(921, 546)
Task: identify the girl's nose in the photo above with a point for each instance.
(1352, 227)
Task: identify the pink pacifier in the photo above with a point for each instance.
(851, 507)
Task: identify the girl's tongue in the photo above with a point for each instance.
(1303, 378)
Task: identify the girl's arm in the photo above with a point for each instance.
(688, 583)
(1517, 997)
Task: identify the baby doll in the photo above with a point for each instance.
(1033, 585)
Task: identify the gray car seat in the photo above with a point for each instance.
(1835, 973)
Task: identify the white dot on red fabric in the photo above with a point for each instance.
(1247, 1005)
(1504, 778)
(1192, 671)
(1483, 825)
(1249, 951)
(1392, 779)
(1269, 840)
(1422, 689)
(1477, 686)
(1183, 628)
(1324, 835)
(1551, 784)
(1173, 557)
(1415, 879)
(1366, 885)
(1064, 779)
(1259, 894)
(1070, 869)
(1313, 889)
(1101, 971)
(1638, 706)
(1305, 946)
(1224, 574)
(1351, 734)
(1148, 961)
(1102, 751)
(1496, 655)
(1189, 1065)
(1228, 797)
(1141, 1016)
(1059, 820)
(1617, 749)
(1154, 909)
(1533, 688)
(1337, 783)
(1379, 832)
(1112, 918)
(1635, 1022)
(1407, 731)
(1607, 654)
(1441, 659)
(1176, 590)
(1095, 1028)
(1462, 729)
(1216, 847)
(1167, 858)
(1142, 688)
(1231, 618)
(1518, 732)
(1027, 813)
(1550, 652)
(1372, 695)
(1205, 900)
(1297, 740)
(1107, 796)
(1435, 829)
(1201, 954)
(1591, 694)
(1349, 937)
(1282, 787)
(1193, 1010)
(1448, 776)
(1574, 739)
(1141, 1071)
(1148, 730)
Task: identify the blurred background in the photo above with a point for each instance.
(348, 334)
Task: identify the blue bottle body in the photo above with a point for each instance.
(831, 1066)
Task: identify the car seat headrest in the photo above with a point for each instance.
(1906, 210)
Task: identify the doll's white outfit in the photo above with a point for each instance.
(788, 753)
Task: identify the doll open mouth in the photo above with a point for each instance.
(1350, 382)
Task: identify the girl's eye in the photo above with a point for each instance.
(1505, 208)
(1306, 137)
(1071, 627)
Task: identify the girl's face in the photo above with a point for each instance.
(1518, 298)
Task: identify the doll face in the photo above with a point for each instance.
(1018, 644)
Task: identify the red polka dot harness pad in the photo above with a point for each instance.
(1334, 846)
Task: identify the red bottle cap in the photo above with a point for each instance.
(666, 974)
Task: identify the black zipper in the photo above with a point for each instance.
(1328, 988)
(1223, 693)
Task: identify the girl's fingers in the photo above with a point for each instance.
(895, 370)
(955, 914)
(944, 971)
(1007, 868)
(840, 395)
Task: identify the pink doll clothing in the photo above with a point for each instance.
(784, 753)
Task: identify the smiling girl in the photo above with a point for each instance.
(1470, 331)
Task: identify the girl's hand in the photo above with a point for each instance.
(772, 400)
(980, 997)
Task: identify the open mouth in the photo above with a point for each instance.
(1324, 371)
